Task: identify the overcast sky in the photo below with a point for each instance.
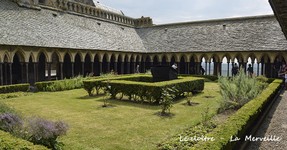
(170, 11)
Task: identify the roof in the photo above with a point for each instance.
(279, 8)
(257, 33)
(107, 8)
(48, 28)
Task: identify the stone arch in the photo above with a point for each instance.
(42, 60)
(132, 63)
(43, 53)
(17, 67)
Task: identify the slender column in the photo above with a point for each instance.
(35, 72)
(263, 69)
(257, 68)
(1, 74)
(272, 70)
(143, 67)
(49, 70)
(133, 67)
(215, 68)
(108, 67)
(220, 68)
(5, 73)
(122, 68)
(83, 68)
(205, 67)
(128, 68)
(209, 68)
(27, 71)
(101, 68)
(72, 64)
(22, 72)
(61, 70)
(10, 72)
(116, 66)
(228, 69)
(187, 68)
(92, 68)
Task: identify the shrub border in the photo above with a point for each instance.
(238, 124)
(10, 142)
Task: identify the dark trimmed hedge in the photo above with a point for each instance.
(7, 142)
(209, 77)
(237, 124)
(14, 88)
(97, 84)
(152, 92)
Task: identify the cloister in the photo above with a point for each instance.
(59, 42)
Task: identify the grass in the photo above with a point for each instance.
(126, 125)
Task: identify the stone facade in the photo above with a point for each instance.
(45, 43)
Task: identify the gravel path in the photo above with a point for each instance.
(274, 125)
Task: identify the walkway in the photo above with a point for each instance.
(274, 125)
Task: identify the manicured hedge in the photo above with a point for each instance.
(14, 88)
(238, 123)
(96, 84)
(152, 92)
(209, 77)
(9, 142)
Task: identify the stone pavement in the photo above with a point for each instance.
(273, 127)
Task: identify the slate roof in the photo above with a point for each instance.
(261, 33)
(29, 27)
(48, 28)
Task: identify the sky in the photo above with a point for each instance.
(171, 11)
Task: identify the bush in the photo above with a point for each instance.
(166, 100)
(238, 123)
(238, 90)
(9, 142)
(6, 109)
(152, 92)
(10, 123)
(13, 95)
(44, 132)
(61, 85)
(14, 88)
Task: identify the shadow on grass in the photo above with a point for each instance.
(87, 97)
(191, 104)
(165, 115)
(129, 103)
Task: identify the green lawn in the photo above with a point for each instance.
(126, 125)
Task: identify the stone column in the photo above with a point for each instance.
(228, 69)
(49, 70)
(1, 74)
(257, 68)
(92, 68)
(27, 71)
(209, 68)
(23, 74)
(61, 70)
(128, 68)
(116, 67)
(262, 68)
(10, 72)
(72, 64)
(220, 68)
(108, 67)
(5, 73)
(83, 68)
(244, 66)
(35, 72)
(187, 68)
(101, 68)
(215, 71)
(205, 67)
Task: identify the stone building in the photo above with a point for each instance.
(57, 39)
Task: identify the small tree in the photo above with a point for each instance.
(166, 101)
(188, 98)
